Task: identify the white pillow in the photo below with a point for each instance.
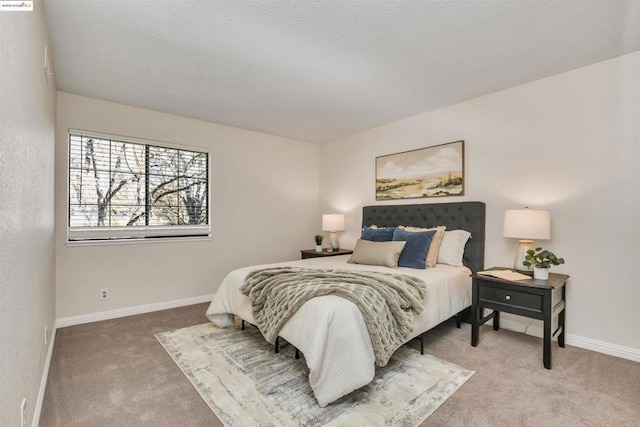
(452, 248)
(385, 254)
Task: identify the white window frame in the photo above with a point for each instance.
(136, 234)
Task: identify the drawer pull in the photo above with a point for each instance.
(508, 297)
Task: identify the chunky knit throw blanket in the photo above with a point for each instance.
(388, 302)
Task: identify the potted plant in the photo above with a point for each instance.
(542, 260)
(318, 238)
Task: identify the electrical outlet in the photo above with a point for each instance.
(23, 412)
(46, 336)
(104, 294)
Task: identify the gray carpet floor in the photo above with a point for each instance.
(115, 373)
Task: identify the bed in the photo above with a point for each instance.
(330, 331)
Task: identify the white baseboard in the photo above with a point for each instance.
(43, 380)
(603, 347)
(129, 311)
(534, 328)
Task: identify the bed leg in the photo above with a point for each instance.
(458, 320)
(422, 343)
(297, 354)
(277, 344)
(243, 324)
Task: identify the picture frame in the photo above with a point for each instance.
(436, 171)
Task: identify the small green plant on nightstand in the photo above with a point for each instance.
(318, 238)
(541, 258)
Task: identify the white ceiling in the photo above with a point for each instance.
(317, 70)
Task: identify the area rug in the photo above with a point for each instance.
(245, 383)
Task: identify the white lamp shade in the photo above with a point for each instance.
(527, 224)
(333, 222)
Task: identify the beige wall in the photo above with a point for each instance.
(264, 209)
(27, 270)
(569, 144)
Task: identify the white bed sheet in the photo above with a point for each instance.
(330, 331)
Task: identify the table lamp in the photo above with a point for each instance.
(526, 224)
(333, 223)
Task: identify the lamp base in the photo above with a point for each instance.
(523, 247)
(333, 240)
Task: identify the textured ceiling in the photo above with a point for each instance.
(320, 70)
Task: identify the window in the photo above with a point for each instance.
(121, 189)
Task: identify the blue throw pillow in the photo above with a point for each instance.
(414, 254)
(378, 234)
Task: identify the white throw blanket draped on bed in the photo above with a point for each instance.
(388, 302)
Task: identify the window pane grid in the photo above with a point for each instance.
(115, 183)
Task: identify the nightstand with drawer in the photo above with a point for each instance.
(532, 298)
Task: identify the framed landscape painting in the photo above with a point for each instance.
(436, 171)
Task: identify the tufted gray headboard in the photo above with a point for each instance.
(468, 216)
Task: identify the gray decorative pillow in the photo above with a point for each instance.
(385, 254)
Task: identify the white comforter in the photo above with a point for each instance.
(330, 331)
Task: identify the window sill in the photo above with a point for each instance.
(159, 240)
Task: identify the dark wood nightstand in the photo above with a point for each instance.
(536, 299)
(311, 253)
